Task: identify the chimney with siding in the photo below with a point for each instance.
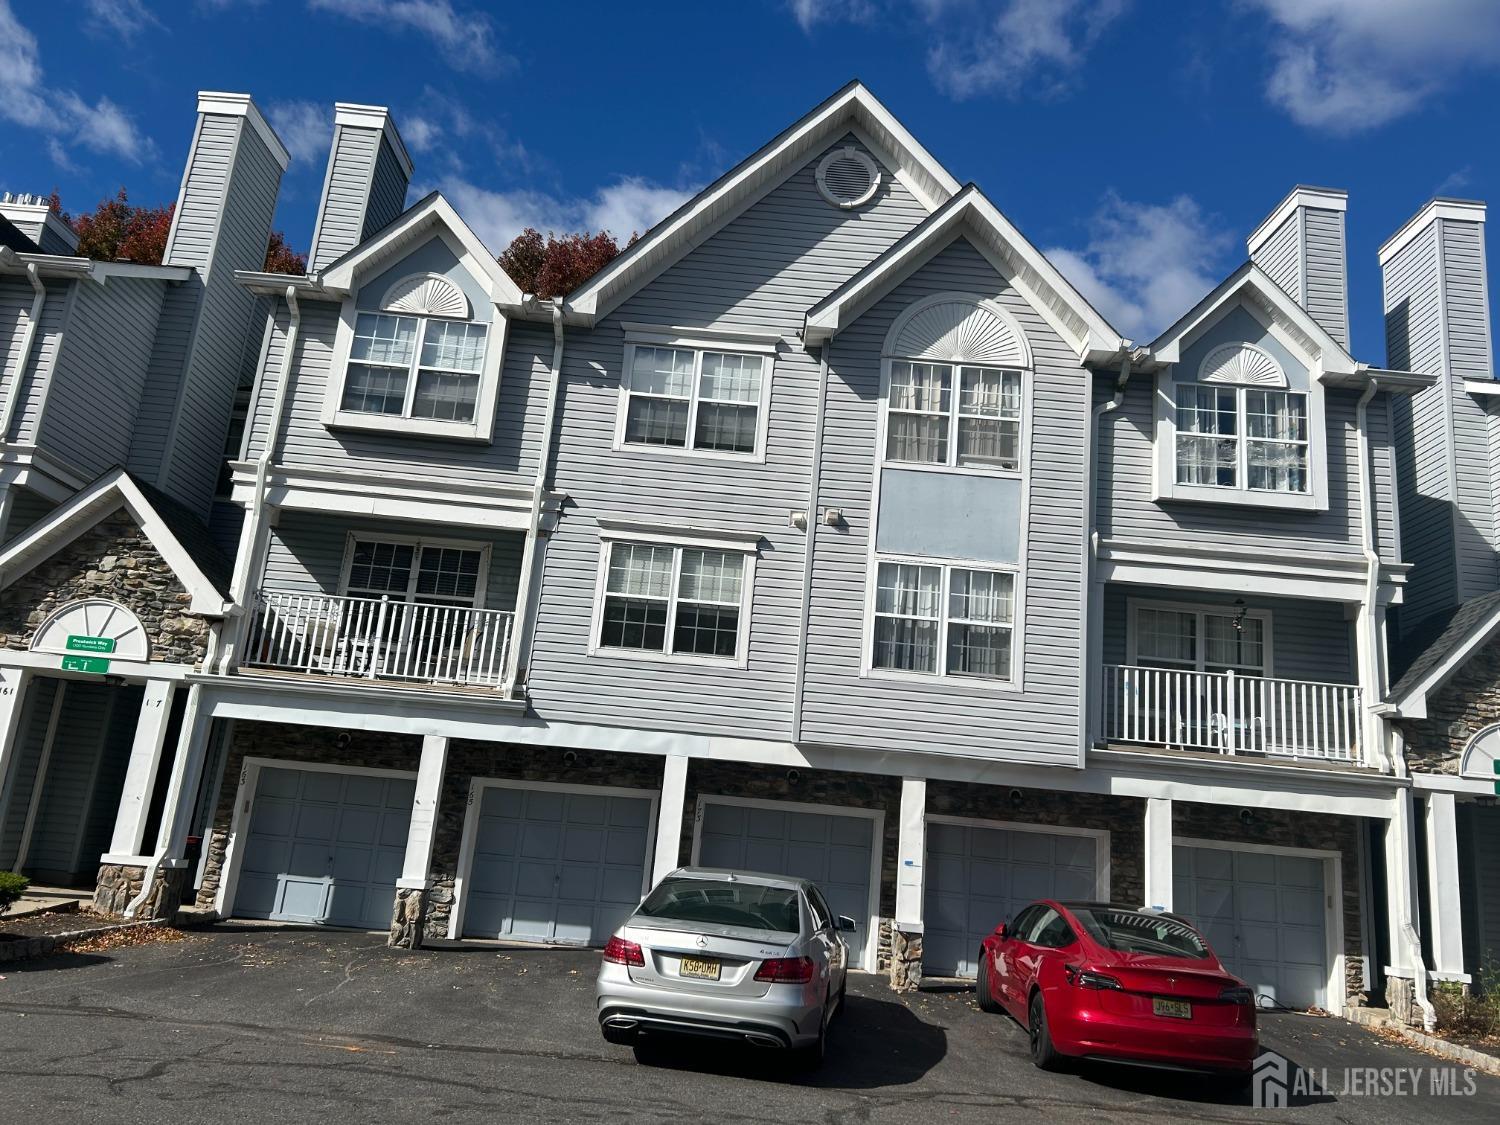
(369, 171)
(222, 224)
(33, 216)
(1300, 245)
(1448, 436)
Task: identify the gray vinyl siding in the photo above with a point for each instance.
(387, 190)
(27, 508)
(16, 296)
(1467, 322)
(1310, 640)
(169, 351)
(76, 775)
(364, 190)
(15, 799)
(1035, 723)
(1126, 511)
(1479, 888)
(1326, 299)
(306, 553)
(762, 271)
(1281, 257)
(89, 419)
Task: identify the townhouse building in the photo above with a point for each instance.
(827, 530)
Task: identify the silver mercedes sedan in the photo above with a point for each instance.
(736, 955)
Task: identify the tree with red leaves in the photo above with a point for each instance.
(281, 258)
(553, 267)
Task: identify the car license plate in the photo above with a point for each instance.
(704, 968)
(1177, 1009)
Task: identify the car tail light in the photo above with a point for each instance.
(1238, 995)
(785, 970)
(1087, 978)
(623, 952)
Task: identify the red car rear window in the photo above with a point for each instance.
(1129, 931)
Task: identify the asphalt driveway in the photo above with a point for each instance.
(240, 1023)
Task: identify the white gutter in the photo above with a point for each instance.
(1091, 654)
(244, 560)
(538, 493)
(28, 337)
(811, 519)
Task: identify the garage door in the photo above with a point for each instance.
(555, 866)
(978, 877)
(1264, 916)
(834, 850)
(324, 847)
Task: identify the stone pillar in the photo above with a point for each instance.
(1445, 918)
(668, 853)
(1158, 853)
(120, 884)
(906, 960)
(407, 913)
(911, 855)
(140, 774)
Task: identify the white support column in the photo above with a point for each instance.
(1158, 853)
(1444, 919)
(13, 684)
(424, 808)
(140, 774)
(668, 853)
(911, 854)
(182, 790)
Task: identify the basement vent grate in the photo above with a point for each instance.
(848, 178)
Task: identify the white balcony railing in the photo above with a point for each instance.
(378, 639)
(1231, 713)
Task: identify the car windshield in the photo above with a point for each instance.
(1132, 932)
(720, 903)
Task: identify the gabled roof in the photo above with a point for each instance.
(970, 213)
(1440, 647)
(1326, 357)
(852, 108)
(413, 226)
(185, 544)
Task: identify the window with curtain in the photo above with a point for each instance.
(1201, 640)
(434, 573)
(953, 415)
(943, 620)
(697, 399)
(680, 601)
(414, 367)
(1242, 437)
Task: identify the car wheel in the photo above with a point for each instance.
(982, 990)
(811, 1057)
(843, 994)
(1043, 1053)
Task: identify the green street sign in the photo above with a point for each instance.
(96, 664)
(90, 644)
(1497, 777)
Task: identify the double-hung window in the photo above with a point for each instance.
(414, 367)
(703, 400)
(1242, 437)
(1202, 640)
(674, 601)
(943, 620)
(953, 415)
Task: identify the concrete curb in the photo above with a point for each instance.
(1468, 1056)
(24, 949)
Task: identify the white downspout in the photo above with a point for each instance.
(538, 493)
(244, 562)
(1373, 685)
(1093, 649)
(28, 337)
(811, 516)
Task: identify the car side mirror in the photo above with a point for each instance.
(846, 924)
(1000, 930)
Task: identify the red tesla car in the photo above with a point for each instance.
(1089, 980)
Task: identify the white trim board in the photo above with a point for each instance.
(876, 817)
(478, 785)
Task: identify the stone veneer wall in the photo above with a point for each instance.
(1468, 703)
(1291, 830)
(119, 884)
(114, 560)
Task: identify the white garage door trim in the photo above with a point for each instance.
(244, 802)
(1333, 905)
(877, 848)
(471, 831)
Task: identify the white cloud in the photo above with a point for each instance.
(66, 117)
(810, 13)
(1343, 66)
(466, 39)
(118, 19)
(629, 206)
(1026, 46)
(306, 128)
(1145, 264)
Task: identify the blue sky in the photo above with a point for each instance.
(1137, 142)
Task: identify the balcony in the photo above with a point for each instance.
(1226, 713)
(416, 643)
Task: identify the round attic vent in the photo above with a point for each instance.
(847, 177)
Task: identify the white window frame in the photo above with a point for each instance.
(487, 395)
(950, 465)
(417, 544)
(1242, 438)
(678, 540)
(946, 565)
(697, 341)
(1200, 609)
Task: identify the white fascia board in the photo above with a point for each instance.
(1485, 388)
(1412, 703)
(376, 117)
(1313, 198)
(276, 284)
(1456, 210)
(243, 105)
(103, 271)
(49, 265)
